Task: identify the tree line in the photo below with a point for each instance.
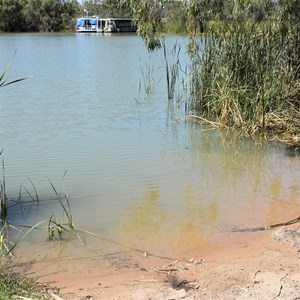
(36, 15)
(54, 15)
(191, 16)
(183, 15)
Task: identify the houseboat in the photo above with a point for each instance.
(97, 24)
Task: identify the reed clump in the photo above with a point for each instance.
(247, 76)
(148, 76)
(58, 228)
(172, 67)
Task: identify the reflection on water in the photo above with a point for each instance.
(137, 171)
(144, 217)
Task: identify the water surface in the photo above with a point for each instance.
(136, 170)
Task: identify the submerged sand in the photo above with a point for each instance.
(262, 265)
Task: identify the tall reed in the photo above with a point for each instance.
(172, 66)
(249, 76)
(148, 76)
(3, 80)
(10, 235)
(3, 199)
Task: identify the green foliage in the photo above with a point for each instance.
(192, 16)
(114, 8)
(11, 15)
(56, 15)
(148, 15)
(37, 15)
(107, 8)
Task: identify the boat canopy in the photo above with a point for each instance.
(84, 21)
(92, 21)
(79, 22)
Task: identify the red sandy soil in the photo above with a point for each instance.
(263, 265)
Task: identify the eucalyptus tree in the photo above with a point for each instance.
(148, 14)
(115, 8)
(106, 8)
(37, 15)
(174, 16)
(91, 7)
(11, 15)
(56, 15)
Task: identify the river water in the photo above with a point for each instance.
(135, 169)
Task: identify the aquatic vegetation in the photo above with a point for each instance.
(242, 75)
(248, 76)
(7, 245)
(148, 76)
(56, 227)
(3, 80)
(11, 235)
(172, 66)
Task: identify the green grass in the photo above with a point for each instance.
(15, 286)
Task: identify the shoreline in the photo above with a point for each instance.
(265, 267)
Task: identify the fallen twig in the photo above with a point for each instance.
(215, 124)
(291, 222)
(168, 271)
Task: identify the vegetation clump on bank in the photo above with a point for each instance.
(248, 77)
(15, 286)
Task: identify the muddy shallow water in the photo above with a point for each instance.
(137, 171)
